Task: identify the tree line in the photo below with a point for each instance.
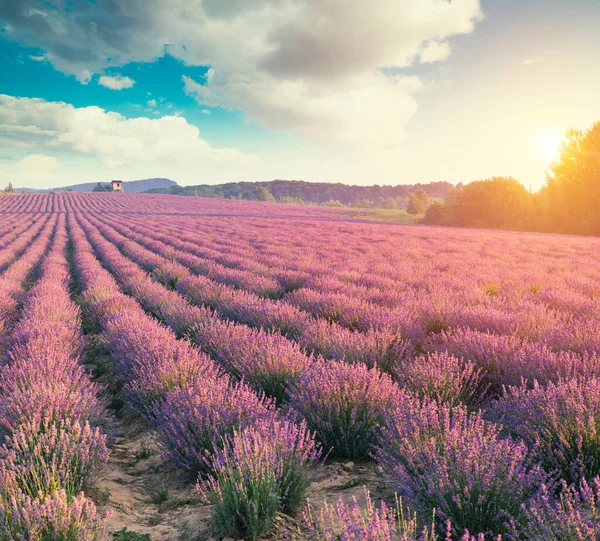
(569, 202)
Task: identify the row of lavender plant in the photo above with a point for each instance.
(317, 291)
(345, 404)
(16, 244)
(462, 444)
(51, 414)
(381, 348)
(581, 461)
(544, 360)
(500, 360)
(485, 289)
(354, 428)
(198, 410)
(17, 270)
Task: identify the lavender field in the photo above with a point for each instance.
(189, 368)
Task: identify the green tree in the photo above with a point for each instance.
(390, 203)
(9, 188)
(291, 200)
(438, 213)
(573, 184)
(498, 202)
(262, 194)
(102, 187)
(416, 204)
(423, 197)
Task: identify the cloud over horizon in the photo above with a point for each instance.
(300, 66)
(48, 130)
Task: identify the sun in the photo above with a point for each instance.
(546, 144)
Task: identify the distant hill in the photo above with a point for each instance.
(309, 192)
(131, 186)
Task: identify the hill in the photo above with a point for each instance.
(309, 192)
(131, 186)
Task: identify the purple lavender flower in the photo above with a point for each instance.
(196, 420)
(261, 470)
(560, 422)
(345, 405)
(444, 459)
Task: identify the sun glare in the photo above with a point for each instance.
(547, 144)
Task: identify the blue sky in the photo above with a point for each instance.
(404, 91)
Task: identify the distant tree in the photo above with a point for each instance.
(9, 188)
(572, 188)
(69, 190)
(23, 192)
(390, 203)
(438, 213)
(332, 203)
(416, 204)
(499, 202)
(291, 200)
(362, 204)
(423, 197)
(262, 194)
(102, 187)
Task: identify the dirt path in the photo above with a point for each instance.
(147, 496)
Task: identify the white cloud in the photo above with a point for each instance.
(36, 58)
(107, 136)
(116, 82)
(373, 106)
(305, 66)
(151, 103)
(434, 51)
(31, 170)
(206, 112)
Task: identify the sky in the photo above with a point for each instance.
(212, 91)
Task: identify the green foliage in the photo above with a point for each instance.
(437, 214)
(417, 202)
(319, 193)
(291, 200)
(572, 192)
(9, 188)
(499, 202)
(390, 203)
(125, 535)
(102, 187)
(143, 452)
(160, 494)
(262, 194)
(332, 203)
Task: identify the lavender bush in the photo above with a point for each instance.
(53, 517)
(260, 471)
(42, 455)
(443, 378)
(345, 405)
(572, 516)
(195, 421)
(560, 422)
(355, 523)
(444, 459)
